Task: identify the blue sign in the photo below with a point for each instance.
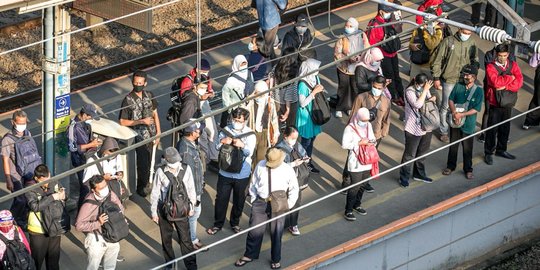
(61, 108)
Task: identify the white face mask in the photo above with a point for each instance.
(362, 124)
(418, 88)
(102, 194)
(174, 166)
(89, 121)
(291, 142)
(201, 91)
(251, 47)
(20, 128)
(376, 92)
(237, 126)
(301, 30)
(464, 37)
(387, 16)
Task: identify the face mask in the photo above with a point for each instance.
(301, 30)
(376, 92)
(291, 142)
(20, 128)
(376, 64)
(251, 47)
(362, 124)
(464, 37)
(387, 16)
(138, 88)
(201, 91)
(174, 166)
(102, 194)
(6, 229)
(242, 70)
(89, 121)
(237, 126)
(349, 30)
(204, 74)
(418, 88)
(259, 100)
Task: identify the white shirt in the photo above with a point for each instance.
(283, 178)
(350, 142)
(111, 166)
(161, 183)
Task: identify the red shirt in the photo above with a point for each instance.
(187, 83)
(494, 81)
(376, 35)
(424, 6)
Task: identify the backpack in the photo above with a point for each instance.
(249, 87)
(115, 185)
(231, 158)
(320, 109)
(421, 56)
(176, 204)
(427, 116)
(392, 46)
(55, 220)
(505, 98)
(173, 114)
(16, 256)
(27, 157)
(116, 228)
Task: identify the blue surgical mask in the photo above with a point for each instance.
(251, 47)
(349, 30)
(376, 64)
(464, 37)
(362, 124)
(376, 92)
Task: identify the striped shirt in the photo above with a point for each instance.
(288, 93)
(412, 115)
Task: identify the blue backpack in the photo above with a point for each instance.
(27, 157)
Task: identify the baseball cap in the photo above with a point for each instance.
(90, 109)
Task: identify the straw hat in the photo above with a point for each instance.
(274, 157)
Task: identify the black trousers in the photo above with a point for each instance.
(533, 118)
(144, 154)
(490, 17)
(292, 219)
(345, 174)
(225, 186)
(497, 138)
(415, 146)
(18, 208)
(261, 212)
(346, 92)
(45, 249)
(166, 229)
(457, 134)
(354, 195)
(390, 69)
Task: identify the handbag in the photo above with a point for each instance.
(460, 108)
(367, 154)
(302, 171)
(277, 199)
(373, 111)
(427, 116)
(320, 109)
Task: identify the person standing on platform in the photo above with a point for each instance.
(139, 111)
(286, 97)
(256, 61)
(269, 15)
(236, 87)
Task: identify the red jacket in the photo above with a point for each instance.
(424, 6)
(376, 35)
(494, 81)
(187, 84)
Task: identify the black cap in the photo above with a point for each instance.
(90, 109)
(470, 69)
(385, 8)
(302, 20)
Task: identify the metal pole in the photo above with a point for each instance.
(48, 89)
(198, 38)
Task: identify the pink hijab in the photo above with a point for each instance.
(372, 55)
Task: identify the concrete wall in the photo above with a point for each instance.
(445, 240)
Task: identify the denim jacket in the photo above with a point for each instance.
(268, 13)
(189, 152)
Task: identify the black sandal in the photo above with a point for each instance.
(242, 261)
(275, 265)
(213, 230)
(236, 229)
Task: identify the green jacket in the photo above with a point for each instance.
(451, 56)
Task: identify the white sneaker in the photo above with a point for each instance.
(525, 127)
(294, 230)
(339, 114)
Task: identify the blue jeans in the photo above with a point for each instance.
(447, 89)
(193, 223)
(308, 145)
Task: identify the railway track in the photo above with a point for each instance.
(77, 82)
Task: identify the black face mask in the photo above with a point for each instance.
(138, 88)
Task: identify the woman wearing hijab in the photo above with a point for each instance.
(353, 42)
(368, 69)
(233, 90)
(9, 231)
(308, 87)
(357, 133)
(264, 121)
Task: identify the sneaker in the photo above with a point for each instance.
(350, 216)
(488, 159)
(360, 210)
(368, 188)
(302, 187)
(344, 192)
(294, 230)
(403, 184)
(120, 258)
(525, 127)
(444, 138)
(339, 114)
(482, 138)
(425, 180)
(313, 169)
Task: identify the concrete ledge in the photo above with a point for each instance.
(415, 218)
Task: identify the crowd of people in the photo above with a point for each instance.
(262, 147)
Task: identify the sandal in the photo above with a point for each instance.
(236, 229)
(275, 265)
(242, 261)
(469, 175)
(446, 171)
(213, 230)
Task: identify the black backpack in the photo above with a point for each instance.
(249, 84)
(505, 98)
(173, 114)
(27, 157)
(320, 109)
(116, 228)
(421, 56)
(391, 46)
(231, 158)
(16, 256)
(54, 219)
(176, 204)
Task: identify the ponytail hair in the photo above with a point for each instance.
(421, 78)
